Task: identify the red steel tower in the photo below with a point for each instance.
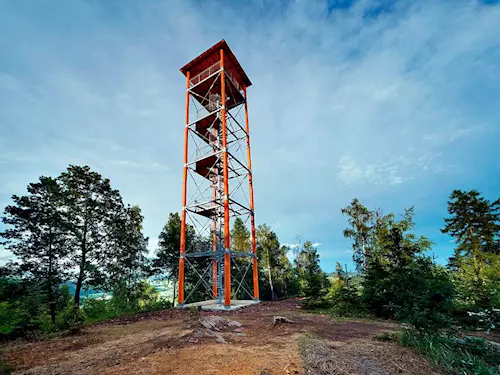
(217, 184)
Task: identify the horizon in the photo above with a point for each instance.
(390, 102)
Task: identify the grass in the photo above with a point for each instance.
(388, 337)
(455, 356)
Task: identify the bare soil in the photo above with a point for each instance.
(174, 342)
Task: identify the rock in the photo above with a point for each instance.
(220, 340)
(241, 334)
(238, 330)
(216, 323)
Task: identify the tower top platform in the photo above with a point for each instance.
(212, 57)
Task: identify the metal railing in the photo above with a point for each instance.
(205, 74)
(211, 70)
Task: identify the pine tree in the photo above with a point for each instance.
(167, 254)
(310, 273)
(474, 222)
(36, 234)
(127, 264)
(240, 237)
(92, 207)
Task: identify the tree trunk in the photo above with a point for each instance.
(81, 274)
(50, 291)
(79, 283)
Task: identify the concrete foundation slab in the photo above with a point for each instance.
(214, 305)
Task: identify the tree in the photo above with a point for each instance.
(127, 264)
(309, 270)
(92, 207)
(167, 254)
(360, 230)
(288, 283)
(268, 252)
(394, 250)
(37, 236)
(343, 294)
(474, 222)
(240, 236)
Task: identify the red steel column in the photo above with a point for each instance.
(227, 256)
(252, 216)
(184, 198)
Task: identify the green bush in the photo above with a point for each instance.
(70, 319)
(312, 303)
(419, 293)
(97, 310)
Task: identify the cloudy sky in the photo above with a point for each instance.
(393, 102)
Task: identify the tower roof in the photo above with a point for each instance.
(211, 56)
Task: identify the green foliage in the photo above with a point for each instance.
(94, 210)
(317, 303)
(269, 253)
(463, 357)
(474, 222)
(36, 235)
(359, 231)
(22, 307)
(124, 302)
(344, 296)
(70, 319)
(166, 261)
(477, 281)
(240, 236)
(308, 268)
(398, 281)
(423, 296)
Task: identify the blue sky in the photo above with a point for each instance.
(393, 102)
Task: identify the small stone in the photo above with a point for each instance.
(238, 330)
(220, 340)
(241, 334)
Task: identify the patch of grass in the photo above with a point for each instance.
(456, 356)
(388, 336)
(353, 314)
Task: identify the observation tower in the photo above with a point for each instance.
(217, 185)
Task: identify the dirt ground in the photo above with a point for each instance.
(174, 342)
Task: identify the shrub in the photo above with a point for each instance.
(96, 310)
(70, 319)
(312, 303)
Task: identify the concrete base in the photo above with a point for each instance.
(214, 305)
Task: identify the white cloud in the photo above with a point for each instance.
(342, 105)
(391, 171)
